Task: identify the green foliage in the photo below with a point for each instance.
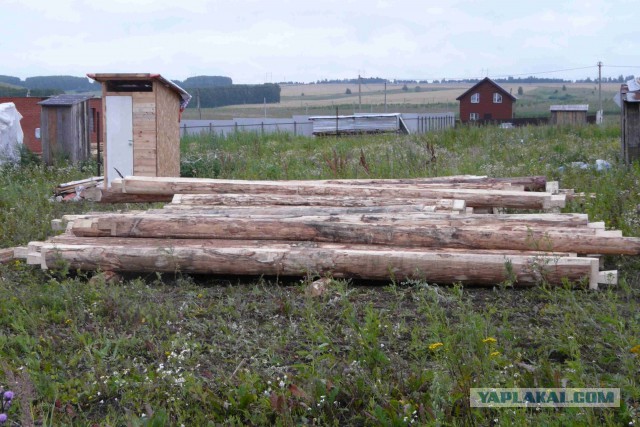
(172, 349)
(63, 83)
(238, 94)
(10, 91)
(205, 81)
(15, 81)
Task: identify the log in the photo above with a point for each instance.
(99, 194)
(473, 197)
(577, 240)
(6, 255)
(298, 200)
(207, 258)
(398, 214)
(221, 243)
(296, 210)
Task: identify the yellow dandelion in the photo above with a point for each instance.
(494, 354)
(636, 349)
(489, 340)
(435, 345)
(68, 321)
(200, 295)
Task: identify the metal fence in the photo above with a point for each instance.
(301, 125)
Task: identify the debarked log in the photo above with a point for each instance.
(472, 197)
(300, 260)
(513, 237)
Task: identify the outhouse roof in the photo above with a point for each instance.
(104, 77)
(64, 100)
(570, 107)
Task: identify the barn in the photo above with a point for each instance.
(141, 124)
(486, 101)
(569, 114)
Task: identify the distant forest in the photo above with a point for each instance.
(510, 79)
(208, 91)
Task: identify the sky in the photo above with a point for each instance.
(261, 41)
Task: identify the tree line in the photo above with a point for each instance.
(209, 97)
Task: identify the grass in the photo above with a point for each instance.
(154, 350)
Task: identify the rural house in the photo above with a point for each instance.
(486, 100)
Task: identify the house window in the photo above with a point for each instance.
(497, 98)
(474, 116)
(475, 98)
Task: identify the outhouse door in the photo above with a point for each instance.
(119, 126)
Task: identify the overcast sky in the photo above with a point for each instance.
(257, 41)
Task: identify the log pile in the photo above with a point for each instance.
(423, 229)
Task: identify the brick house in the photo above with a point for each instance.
(486, 100)
(30, 111)
(31, 115)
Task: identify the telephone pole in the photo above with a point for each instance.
(601, 113)
(385, 96)
(359, 93)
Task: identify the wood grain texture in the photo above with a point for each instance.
(290, 260)
(168, 131)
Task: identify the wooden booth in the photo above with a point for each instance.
(569, 114)
(141, 124)
(65, 128)
(629, 101)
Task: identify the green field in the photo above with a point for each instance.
(322, 99)
(171, 350)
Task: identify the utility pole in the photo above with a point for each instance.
(600, 112)
(359, 93)
(385, 96)
(199, 110)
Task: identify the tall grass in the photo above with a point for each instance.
(165, 350)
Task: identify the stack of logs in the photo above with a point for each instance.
(432, 229)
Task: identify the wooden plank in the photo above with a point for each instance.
(168, 131)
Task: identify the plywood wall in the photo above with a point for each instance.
(144, 133)
(168, 130)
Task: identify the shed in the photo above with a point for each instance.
(486, 101)
(569, 114)
(358, 124)
(629, 99)
(141, 124)
(65, 128)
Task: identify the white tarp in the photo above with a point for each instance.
(11, 135)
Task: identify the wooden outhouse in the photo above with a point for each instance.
(629, 101)
(65, 128)
(141, 124)
(569, 114)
